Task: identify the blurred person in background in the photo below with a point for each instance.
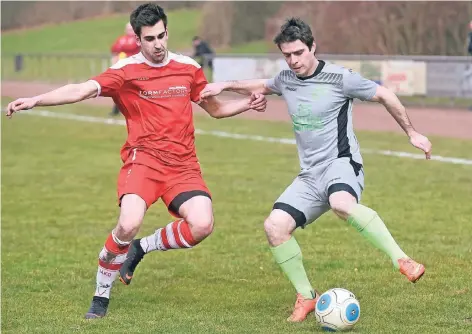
(125, 46)
(203, 53)
(469, 51)
(469, 48)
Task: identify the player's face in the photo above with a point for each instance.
(299, 58)
(153, 42)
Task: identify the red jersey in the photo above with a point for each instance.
(155, 100)
(126, 44)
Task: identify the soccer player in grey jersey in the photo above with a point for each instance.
(320, 97)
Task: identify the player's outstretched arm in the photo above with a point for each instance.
(244, 87)
(221, 109)
(64, 95)
(393, 105)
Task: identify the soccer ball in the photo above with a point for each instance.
(337, 310)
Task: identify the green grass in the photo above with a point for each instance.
(58, 193)
(95, 35)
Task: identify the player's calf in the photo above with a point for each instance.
(196, 225)
(173, 236)
(279, 227)
(113, 253)
(367, 222)
(110, 260)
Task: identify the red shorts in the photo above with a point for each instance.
(151, 179)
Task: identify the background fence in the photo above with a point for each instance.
(432, 76)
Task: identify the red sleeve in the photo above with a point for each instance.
(198, 84)
(110, 81)
(117, 46)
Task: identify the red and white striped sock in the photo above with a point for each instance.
(110, 259)
(175, 235)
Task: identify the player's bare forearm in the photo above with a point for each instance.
(248, 87)
(393, 105)
(233, 107)
(63, 95)
(398, 112)
(67, 94)
(222, 109)
(244, 87)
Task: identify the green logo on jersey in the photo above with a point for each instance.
(304, 119)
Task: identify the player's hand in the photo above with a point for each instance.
(421, 142)
(212, 89)
(258, 102)
(21, 104)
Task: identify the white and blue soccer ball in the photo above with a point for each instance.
(337, 310)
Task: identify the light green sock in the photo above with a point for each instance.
(289, 257)
(369, 224)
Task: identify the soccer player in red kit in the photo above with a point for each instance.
(124, 46)
(154, 89)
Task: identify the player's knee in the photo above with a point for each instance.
(342, 203)
(278, 227)
(126, 230)
(201, 226)
(198, 213)
(270, 226)
(132, 213)
(128, 226)
(274, 227)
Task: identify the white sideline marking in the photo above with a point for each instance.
(109, 121)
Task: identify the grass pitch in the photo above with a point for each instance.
(59, 204)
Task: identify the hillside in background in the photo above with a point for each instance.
(54, 12)
(95, 35)
(386, 28)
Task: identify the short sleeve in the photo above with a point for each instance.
(274, 84)
(356, 86)
(109, 82)
(199, 83)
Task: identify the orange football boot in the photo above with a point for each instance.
(411, 269)
(303, 307)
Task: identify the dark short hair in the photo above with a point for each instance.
(295, 29)
(195, 38)
(147, 15)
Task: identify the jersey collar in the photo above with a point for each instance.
(170, 56)
(318, 70)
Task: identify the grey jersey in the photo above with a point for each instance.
(321, 110)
